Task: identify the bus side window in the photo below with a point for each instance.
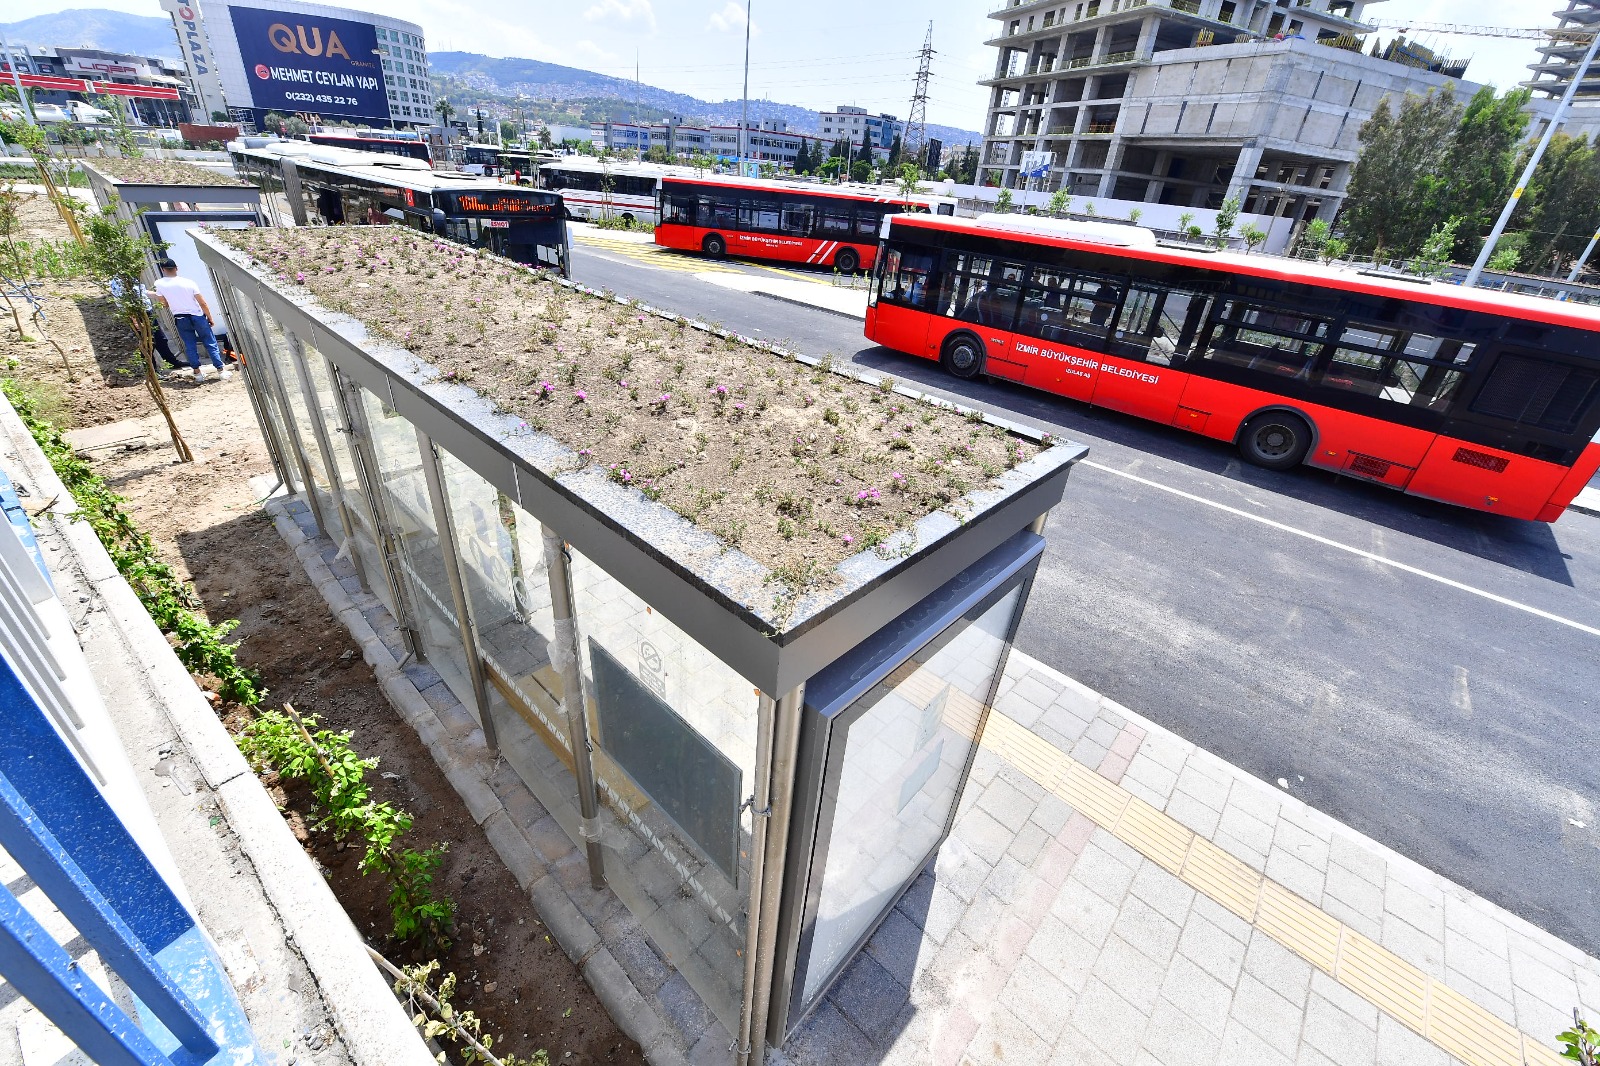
(1265, 338)
(834, 223)
(867, 221)
(797, 219)
(905, 278)
(1151, 328)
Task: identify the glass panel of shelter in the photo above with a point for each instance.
(297, 395)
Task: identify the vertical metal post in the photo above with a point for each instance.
(744, 107)
(22, 94)
(760, 821)
(1037, 525)
(1588, 250)
(330, 458)
(780, 800)
(368, 481)
(564, 657)
(252, 385)
(1471, 279)
(307, 482)
(434, 475)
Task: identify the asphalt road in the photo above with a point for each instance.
(1425, 674)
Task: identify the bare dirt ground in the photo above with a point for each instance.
(205, 521)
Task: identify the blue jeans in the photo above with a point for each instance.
(195, 331)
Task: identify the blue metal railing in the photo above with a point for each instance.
(58, 825)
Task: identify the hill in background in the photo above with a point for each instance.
(116, 31)
(591, 97)
(548, 92)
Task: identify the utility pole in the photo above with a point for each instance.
(16, 76)
(917, 121)
(1556, 119)
(744, 108)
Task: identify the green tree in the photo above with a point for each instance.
(1387, 201)
(1060, 202)
(545, 140)
(1227, 218)
(1436, 250)
(508, 131)
(1002, 205)
(907, 184)
(658, 153)
(895, 148)
(117, 255)
(861, 171)
(1253, 236)
(295, 126)
(121, 133)
(1314, 237)
(1504, 258)
(272, 122)
(1561, 207)
(445, 109)
(802, 158)
(1479, 166)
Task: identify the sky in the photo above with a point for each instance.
(819, 54)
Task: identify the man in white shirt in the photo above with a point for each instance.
(192, 317)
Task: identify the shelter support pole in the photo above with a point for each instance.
(564, 657)
(433, 474)
(771, 808)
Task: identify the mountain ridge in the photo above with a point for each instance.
(509, 77)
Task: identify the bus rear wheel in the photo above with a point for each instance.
(963, 355)
(847, 261)
(714, 246)
(1276, 440)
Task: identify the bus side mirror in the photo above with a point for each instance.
(438, 220)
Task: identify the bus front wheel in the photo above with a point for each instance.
(714, 246)
(1276, 440)
(847, 260)
(963, 355)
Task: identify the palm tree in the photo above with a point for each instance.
(445, 111)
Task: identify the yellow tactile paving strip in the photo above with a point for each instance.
(1423, 1004)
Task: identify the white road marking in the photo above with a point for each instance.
(1361, 553)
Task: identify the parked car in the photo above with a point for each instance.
(82, 111)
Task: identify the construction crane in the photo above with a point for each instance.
(1526, 33)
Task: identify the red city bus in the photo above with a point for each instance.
(768, 220)
(1482, 399)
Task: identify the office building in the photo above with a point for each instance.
(858, 126)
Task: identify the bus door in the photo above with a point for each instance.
(901, 298)
(984, 291)
(535, 243)
(1142, 337)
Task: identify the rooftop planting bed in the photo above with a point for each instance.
(142, 171)
(796, 465)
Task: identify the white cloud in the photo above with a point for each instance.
(622, 11)
(591, 51)
(731, 20)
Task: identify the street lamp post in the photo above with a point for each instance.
(1471, 279)
(744, 108)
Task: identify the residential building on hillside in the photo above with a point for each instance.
(1190, 102)
(770, 140)
(119, 68)
(855, 123)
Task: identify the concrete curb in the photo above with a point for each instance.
(372, 1025)
(1587, 502)
(466, 762)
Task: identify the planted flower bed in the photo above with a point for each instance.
(142, 171)
(797, 466)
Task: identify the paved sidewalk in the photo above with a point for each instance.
(1112, 894)
(1588, 501)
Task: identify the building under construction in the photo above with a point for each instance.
(1189, 102)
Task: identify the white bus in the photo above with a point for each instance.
(594, 190)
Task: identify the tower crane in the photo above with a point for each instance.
(1526, 33)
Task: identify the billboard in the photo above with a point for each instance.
(310, 64)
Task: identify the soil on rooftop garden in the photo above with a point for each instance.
(142, 170)
(205, 522)
(797, 466)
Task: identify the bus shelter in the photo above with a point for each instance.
(757, 778)
(169, 199)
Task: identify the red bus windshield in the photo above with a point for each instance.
(768, 221)
(1473, 398)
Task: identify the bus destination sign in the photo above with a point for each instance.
(493, 203)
